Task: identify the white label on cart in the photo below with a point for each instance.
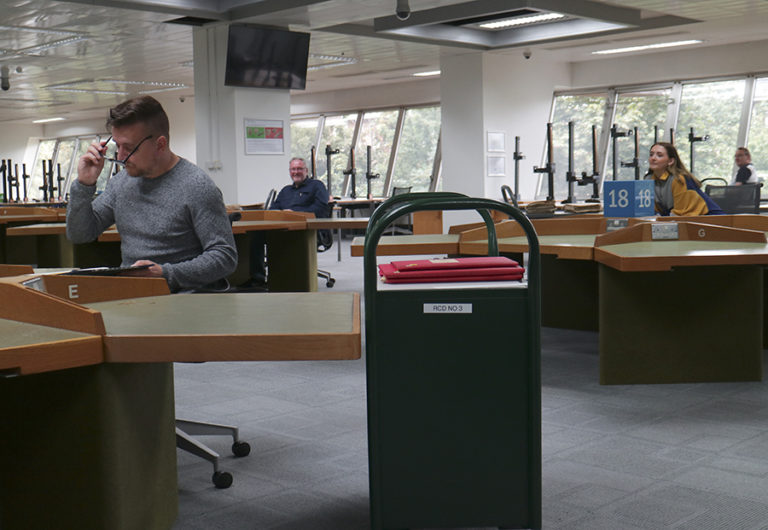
(447, 308)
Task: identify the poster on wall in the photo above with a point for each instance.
(264, 137)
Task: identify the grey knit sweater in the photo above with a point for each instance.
(177, 220)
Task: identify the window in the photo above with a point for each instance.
(416, 152)
(585, 111)
(644, 110)
(45, 152)
(337, 132)
(758, 131)
(377, 131)
(711, 109)
(303, 137)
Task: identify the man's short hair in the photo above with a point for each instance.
(300, 159)
(745, 150)
(141, 109)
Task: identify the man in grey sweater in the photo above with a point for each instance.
(169, 213)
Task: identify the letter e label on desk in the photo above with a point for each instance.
(447, 308)
(72, 290)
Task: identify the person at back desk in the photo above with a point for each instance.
(169, 213)
(302, 195)
(746, 173)
(677, 191)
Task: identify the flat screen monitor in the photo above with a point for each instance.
(266, 57)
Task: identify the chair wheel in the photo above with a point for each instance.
(241, 448)
(330, 283)
(222, 479)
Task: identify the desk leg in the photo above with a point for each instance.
(338, 237)
(668, 327)
(292, 260)
(89, 448)
(569, 293)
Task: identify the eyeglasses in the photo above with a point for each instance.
(124, 160)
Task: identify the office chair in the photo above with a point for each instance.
(405, 220)
(736, 199)
(508, 196)
(270, 199)
(186, 428)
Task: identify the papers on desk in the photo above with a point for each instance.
(106, 271)
(491, 268)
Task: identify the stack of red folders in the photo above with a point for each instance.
(490, 268)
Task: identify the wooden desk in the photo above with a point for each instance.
(410, 245)
(662, 305)
(292, 248)
(22, 250)
(338, 224)
(93, 437)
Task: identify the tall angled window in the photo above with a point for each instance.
(377, 131)
(712, 109)
(337, 133)
(416, 151)
(757, 141)
(303, 137)
(585, 110)
(45, 151)
(646, 110)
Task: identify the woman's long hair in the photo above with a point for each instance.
(678, 168)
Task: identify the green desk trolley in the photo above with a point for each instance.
(454, 389)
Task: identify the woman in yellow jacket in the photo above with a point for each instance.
(677, 191)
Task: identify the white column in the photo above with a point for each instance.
(220, 114)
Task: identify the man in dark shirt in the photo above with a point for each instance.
(746, 173)
(303, 195)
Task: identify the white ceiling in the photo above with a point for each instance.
(122, 40)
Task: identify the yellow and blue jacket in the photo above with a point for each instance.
(681, 196)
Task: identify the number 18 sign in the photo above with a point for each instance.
(628, 198)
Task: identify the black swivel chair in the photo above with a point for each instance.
(736, 199)
(185, 429)
(402, 225)
(508, 196)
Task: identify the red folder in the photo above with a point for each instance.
(455, 263)
(451, 270)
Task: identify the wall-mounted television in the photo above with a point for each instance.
(266, 57)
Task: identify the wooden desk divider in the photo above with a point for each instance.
(679, 231)
(26, 304)
(274, 215)
(89, 289)
(743, 220)
(15, 270)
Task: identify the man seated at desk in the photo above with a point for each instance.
(169, 213)
(302, 195)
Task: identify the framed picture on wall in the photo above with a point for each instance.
(495, 142)
(264, 137)
(497, 166)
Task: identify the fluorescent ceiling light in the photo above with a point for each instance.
(520, 21)
(331, 61)
(648, 47)
(427, 74)
(46, 120)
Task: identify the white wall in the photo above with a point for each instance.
(672, 65)
(416, 92)
(220, 113)
(518, 99)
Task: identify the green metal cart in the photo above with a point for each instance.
(454, 389)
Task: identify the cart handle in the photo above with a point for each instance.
(403, 197)
(377, 226)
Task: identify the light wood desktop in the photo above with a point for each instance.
(88, 389)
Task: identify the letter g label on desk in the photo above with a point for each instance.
(447, 308)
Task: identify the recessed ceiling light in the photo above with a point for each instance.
(331, 61)
(648, 47)
(46, 120)
(520, 21)
(427, 74)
